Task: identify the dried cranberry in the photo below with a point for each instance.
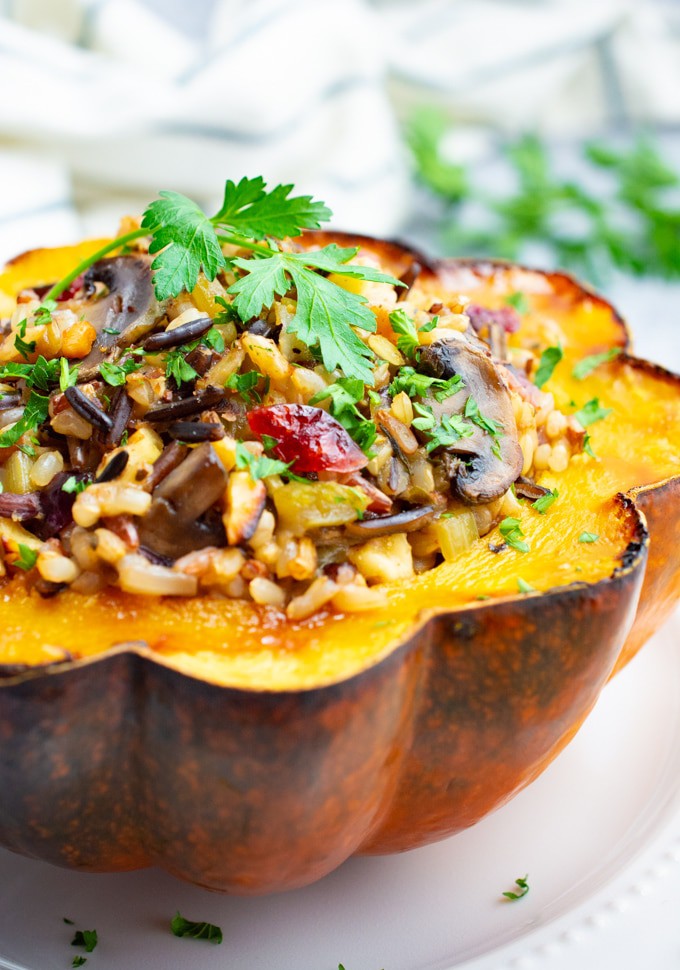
(309, 437)
(481, 317)
(67, 294)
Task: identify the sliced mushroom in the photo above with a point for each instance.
(386, 525)
(173, 525)
(483, 476)
(525, 488)
(124, 313)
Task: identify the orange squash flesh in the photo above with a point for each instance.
(371, 732)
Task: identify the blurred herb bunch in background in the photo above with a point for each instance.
(621, 211)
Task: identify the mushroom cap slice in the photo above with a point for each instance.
(125, 313)
(487, 472)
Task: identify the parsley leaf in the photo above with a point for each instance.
(486, 424)
(523, 889)
(115, 374)
(258, 466)
(73, 486)
(588, 537)
(589, 364)
(592, 412)
(403, 324)
(24, 347)
(27, 557)
(68, 376)
(411, 382)
(35, 413)
(519, 301)
(177, 367)
(43, 315)
(511, 530)
(79, 961)
(445, 434)
(417, 385)
(42, 374)
(587, 446)
(196, 931)
(543, 503)
(345, 394)
(86, 939)
(326, 313)
(185, 240)
(425, 420)
(550, 358)
(250, 209)
(244, 385)
(525, 587)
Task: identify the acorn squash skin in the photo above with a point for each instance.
(122, 762)
(119, 761)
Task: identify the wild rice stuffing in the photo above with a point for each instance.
(173, 448)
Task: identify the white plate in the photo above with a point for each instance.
(589, 832)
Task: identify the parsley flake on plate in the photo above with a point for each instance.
(196, 930)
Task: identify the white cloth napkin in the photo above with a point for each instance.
(103, 102)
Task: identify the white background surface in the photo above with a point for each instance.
(598, 835)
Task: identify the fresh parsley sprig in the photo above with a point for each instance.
(186, 242)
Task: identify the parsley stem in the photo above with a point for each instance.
(61, 285)
(245, 243)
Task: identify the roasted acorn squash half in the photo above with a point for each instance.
(249, 754)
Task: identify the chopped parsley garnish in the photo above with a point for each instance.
(589, 364)
(486, 424)
(35, 412)
(592, 412)
(227, 314)
(79, 961)
(587, 446)
(415, 384)
(85, 938)
(550, 358)
(511, 530)
(525, 587)
(115, 374)
(244, 385)
(430, 325)
(588, 537)
(196, 931)
(73, 486)
(177, 367)
(213, 339)
(259, 466)
(543, 503)
(523, 887)
(42, 374)
(450, 429)
(43, 315)
(27, 557)
(345, 394)
(519, 301)
(68, 376)
(24, 347)
(403, 324)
